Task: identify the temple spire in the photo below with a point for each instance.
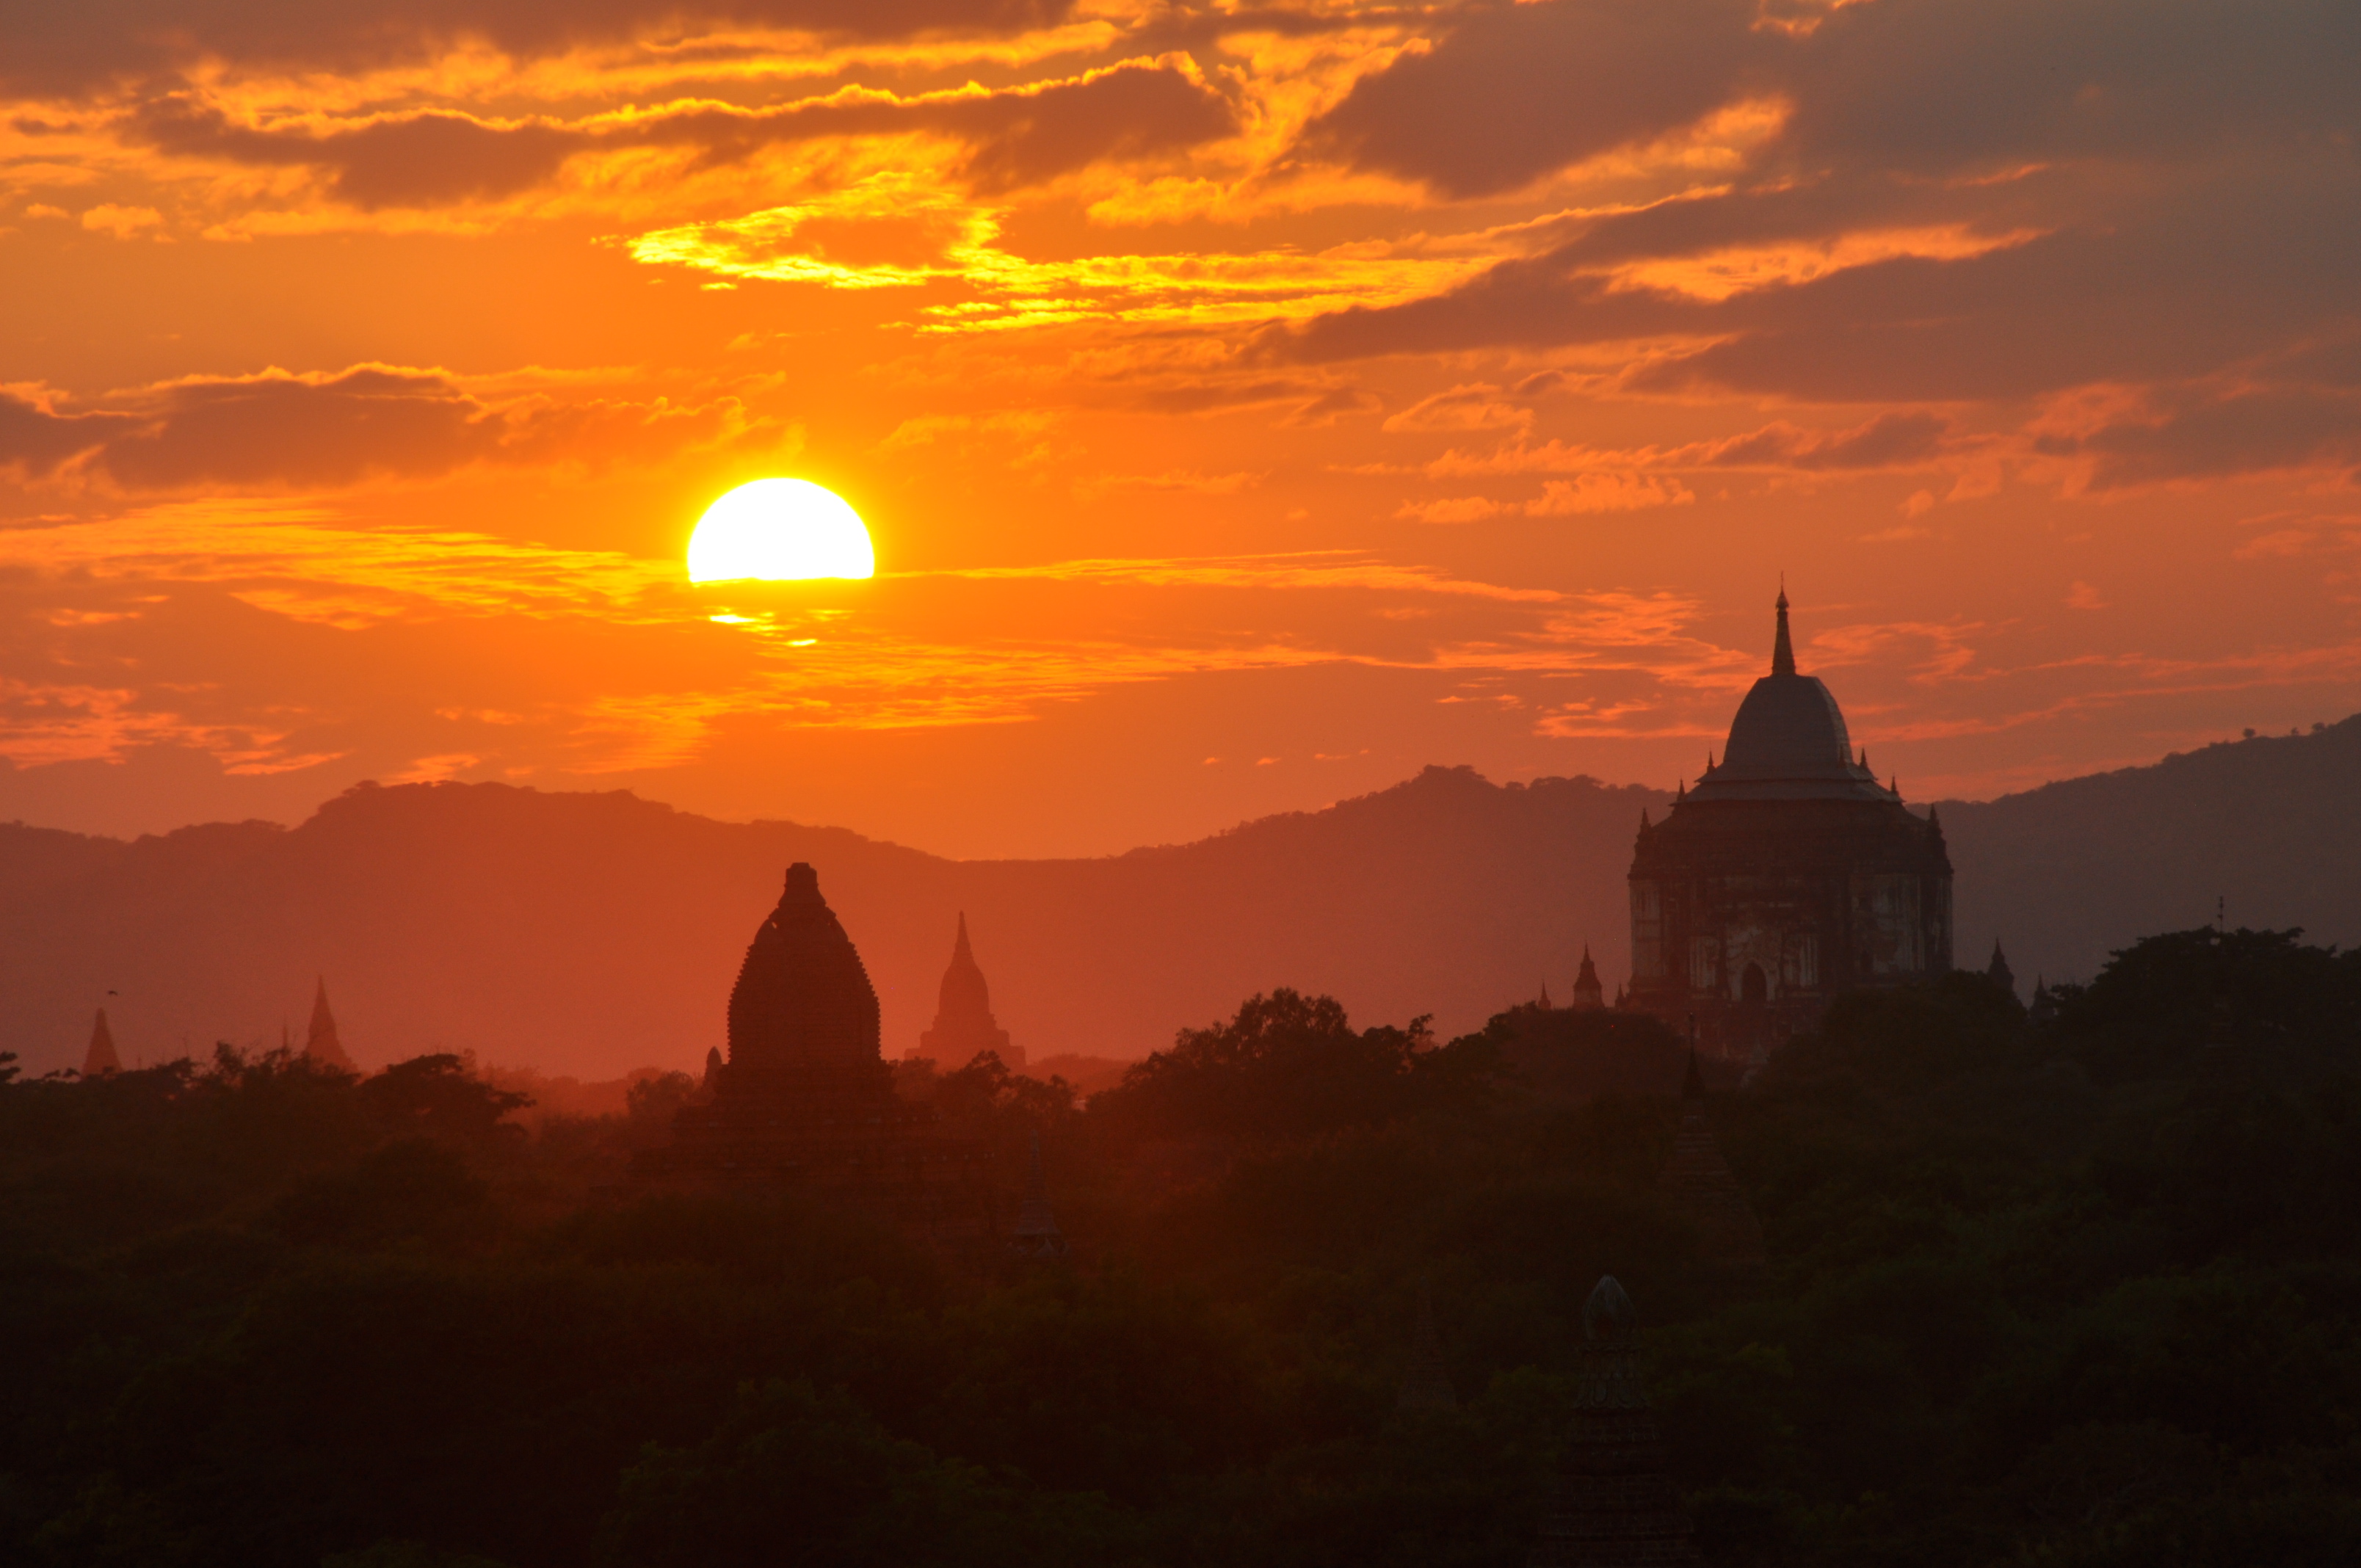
(1783, 651)
(321, 1043)
(101, 1059)
(1588, 994)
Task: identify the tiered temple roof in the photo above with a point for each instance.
(1613, 1505)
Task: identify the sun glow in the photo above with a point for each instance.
(779, 530)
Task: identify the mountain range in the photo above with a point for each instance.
(590, 934)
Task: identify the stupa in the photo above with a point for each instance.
(1612, 1506)
(321, 1043)
(101, 1059)
(804, 1098)
(964, 1027)
(1588, 994)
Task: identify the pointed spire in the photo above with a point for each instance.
(1545, 1000)
(101, 1059)
(1680, 792)
(1998, 969)
(1588, 994)
(1782, 651)
(1643, 819)
(712, 1070)
(1426, 1381)
(958, 946)
(1037, 1238)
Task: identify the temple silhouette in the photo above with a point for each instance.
(101, 1059)
(1612, 1505)
(1787, 875)
(964, 1027)
(804, 1097)
(320, 1042)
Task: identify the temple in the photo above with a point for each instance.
(804, 1099)
(1998, 972)
(1612, 1506)
(1787, 875)
(964, 1027)
(101, 1059)
(321, 1043)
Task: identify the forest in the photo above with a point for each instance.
(2073, 1286)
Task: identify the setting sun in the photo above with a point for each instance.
(779, 530)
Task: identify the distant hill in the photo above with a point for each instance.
(590, 934)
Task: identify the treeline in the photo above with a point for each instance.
(2078, 1288)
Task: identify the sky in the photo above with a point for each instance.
(1250, 404)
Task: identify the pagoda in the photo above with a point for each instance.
(321, 1044)
(964, 1027)
(1787, 875)
(1612, 1506)
(804, 1098)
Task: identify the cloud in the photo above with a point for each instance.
(1561, 498)
(277, 430)
(60, 50)
(1015, 136)
(1474, 407)
(1513, 92)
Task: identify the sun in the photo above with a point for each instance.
(779, 529)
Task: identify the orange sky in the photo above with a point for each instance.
(1250, 403)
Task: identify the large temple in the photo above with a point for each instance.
(804, 1099)
(1787, 875)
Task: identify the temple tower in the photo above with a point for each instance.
(1702, 1186)
(101, 1059)
(1612, 1506)
(964, 1026)
(321, 1044)
(1788, 874)
(1998, 972)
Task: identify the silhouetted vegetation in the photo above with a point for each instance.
(2082, 1290)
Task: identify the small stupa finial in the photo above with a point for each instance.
(1782, 650)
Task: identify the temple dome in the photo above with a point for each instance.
(1788, 741)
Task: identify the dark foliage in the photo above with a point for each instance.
(2077, 1290)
